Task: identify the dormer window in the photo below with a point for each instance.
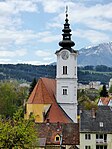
(101, 124)
(57, 138)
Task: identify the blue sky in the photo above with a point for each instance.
(31, 29)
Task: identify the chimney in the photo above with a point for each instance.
(43, 116)
(47, 121)
(80, 111)
(93, 111)
(58, 126)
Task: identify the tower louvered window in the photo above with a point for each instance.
(64, 69)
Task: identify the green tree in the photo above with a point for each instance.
(110, 89)
(11, 97)
(17, 133)
(7, 98)
(32, 85)
(103, 92)
(85, 100)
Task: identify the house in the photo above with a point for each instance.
(56, 135)
(96, 128)
(105, 101)
(95, 84)
(43, 105)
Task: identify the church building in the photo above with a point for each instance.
(55, 100)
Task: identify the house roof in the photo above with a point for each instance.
(44, 93)
(42, 142)
(104, 100)
(96, 121)
(69, 133)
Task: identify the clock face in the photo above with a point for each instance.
(65, 55)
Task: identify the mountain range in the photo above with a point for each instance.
(96, 55)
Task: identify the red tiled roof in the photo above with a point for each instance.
(69, 132)
(44, 93)
(105, 100)
(56, 114)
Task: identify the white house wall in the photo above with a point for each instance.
(92, 141)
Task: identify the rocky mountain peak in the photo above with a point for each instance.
(96, 55)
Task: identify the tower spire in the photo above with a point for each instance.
(66, 76)
(66, 41)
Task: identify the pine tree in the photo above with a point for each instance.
(104, 92)
(32, 85)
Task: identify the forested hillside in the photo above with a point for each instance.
(94, 73)
(25, 72)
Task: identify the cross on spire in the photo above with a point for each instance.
(66, 11)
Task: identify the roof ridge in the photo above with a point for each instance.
(35, 92)
(42, 90)
(65, 113)
(35, 88)
(47, 88)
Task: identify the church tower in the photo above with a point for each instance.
(66, 90)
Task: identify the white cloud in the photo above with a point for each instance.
(25, 37)
(32, 62)
(99, 24)
(11, 31)
(8, 53)
(42, 53)
(9, 61)
(50, 38)
(96, 17)
(10, 12)
(96, 20)
(14, 6)
(5, 61)
(48, 58)
(52, 6)
(92, 36)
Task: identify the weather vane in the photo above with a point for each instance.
(66, 10)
